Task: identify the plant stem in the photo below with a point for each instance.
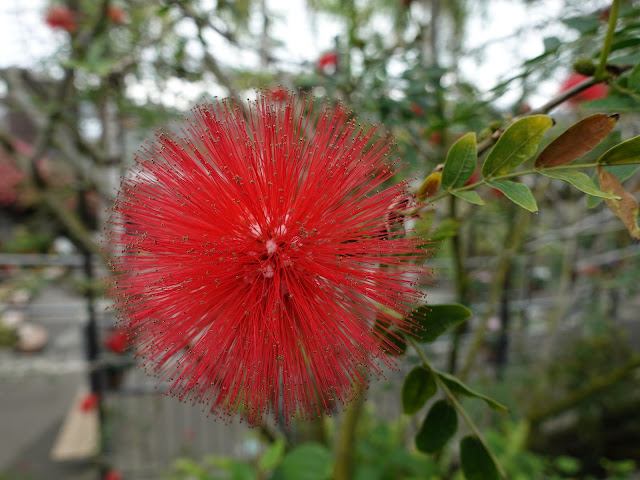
(345, 451)
(457, 405)
(462, 283)
(601, 69)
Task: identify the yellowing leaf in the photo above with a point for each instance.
(577, 140)
(429, 186)
(623, 153)
(626, 209)
(518, 143)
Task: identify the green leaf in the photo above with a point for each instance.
(622, 172)
(516, 192)
(634, 79)
(460, 162)
(579, 180)
(440, 424)
(615, 102)
(582, 24)
(457, 386)
(418, 387)
(622, 154)
(434, 320)
(518, 143)
(470, 196)
(272, 455)
(475, 460)
(447, 228)
(309, 461)
(242, 471)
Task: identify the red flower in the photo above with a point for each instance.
(89, 402)
(592, 93)
(416, 109)
(278, 93)
(328, 63)
(116, 15)
(61, 17)
(253, 254)
(117, 342)
(113, 475)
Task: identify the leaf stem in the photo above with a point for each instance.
(601, 69)
(457, 405)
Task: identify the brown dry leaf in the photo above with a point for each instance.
(577, 140)
(626, 208)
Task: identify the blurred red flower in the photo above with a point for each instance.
(115, 14)
(89, 402)
(61, 17)
(596, 92)
(253, 254)
(117, 342)
(113, 475)
(328, 62)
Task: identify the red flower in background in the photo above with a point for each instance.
(596, 92)
(61, 17)
(117, 342)
(328, 62)
(252, 256)
(113, 475)
(10, 178)
(89, 402)
(115, 14)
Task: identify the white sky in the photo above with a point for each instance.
(26, 40)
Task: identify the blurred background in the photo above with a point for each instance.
(84, 83)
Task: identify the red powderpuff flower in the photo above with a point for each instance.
(328, 62)
(61, 17)
(255, 253)
(113, 475)
(115, 14)
(592, 93)
(89, 402)
(117, 342)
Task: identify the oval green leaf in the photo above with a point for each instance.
(433, 320)
(577, 140)
(516, 192)
(518, 143)
(457, 386)
(440, 424)
(476, 462)
(310, 461)
(272, 455)
(622, 154)
(470, 196)
(460, 162)
(418, 387)
(579, 180)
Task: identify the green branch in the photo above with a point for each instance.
(457, 405)
(601, 69)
